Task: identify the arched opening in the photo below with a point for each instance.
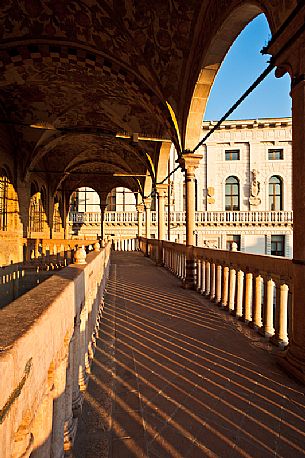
(37, 209)
(275, 193)
(121, 200)
(86, 200)
(242, 64)
(229, 66)
(232, 197)
(57, 220)
(4, 186)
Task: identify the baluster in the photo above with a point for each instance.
(267, 328)
(212, 283)
(207, 278)
(239, 294)
(218, 284)
(203, 276)
(247, 310)
(280, 337)
(257, 303)
(232, 289)
(225, 287)
(198, 274)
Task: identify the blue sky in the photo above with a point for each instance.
(239, 70)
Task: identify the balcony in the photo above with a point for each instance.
(206, 218)
(155, 369)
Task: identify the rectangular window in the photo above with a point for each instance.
(232, 155)
(231, 239)
(275, 154)
(278, 245)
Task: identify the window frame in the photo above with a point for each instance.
(278, 242)
(232, 195)
(270, 150)
(275, 195)
(229, 152)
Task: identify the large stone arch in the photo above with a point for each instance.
(211, 60)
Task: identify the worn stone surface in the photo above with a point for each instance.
(175, 376)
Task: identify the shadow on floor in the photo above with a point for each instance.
(174, 377)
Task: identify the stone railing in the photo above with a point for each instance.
(110, 217)
(43, 256)
(125, 244)
(256, 289)
(178, 218)
(47, 341)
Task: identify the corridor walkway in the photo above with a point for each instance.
(174, 376)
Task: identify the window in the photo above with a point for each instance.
(232, 194)
(275, 154)
(111, 201)
(56, 216)
(275, 193)
(232, 155)
(3, 201)
(278, 245)
(36, 213)
(231, 239)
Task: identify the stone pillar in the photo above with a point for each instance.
(162, 193)
(140, 210)
(103, 207)
(189, 163)
(147, 205)
(291, 60)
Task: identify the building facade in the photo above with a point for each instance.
(242, 192)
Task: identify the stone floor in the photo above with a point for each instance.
(174, 376)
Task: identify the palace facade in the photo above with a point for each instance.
(242, 193)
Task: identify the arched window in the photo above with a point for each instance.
(111, 201)
(232, 194)
(4, 182)
(275, 193)
(37, 208)
(57, 224)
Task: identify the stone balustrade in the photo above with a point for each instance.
(255, 288)
(47, 340)
(178, 218)
(125, 244)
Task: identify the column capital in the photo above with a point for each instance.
(190, 162)
(162, 189)
(147, 203)
(140, 208)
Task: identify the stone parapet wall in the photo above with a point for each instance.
(47, 341)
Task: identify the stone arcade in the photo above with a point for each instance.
(93, 94)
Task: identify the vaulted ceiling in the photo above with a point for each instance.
(96, 72)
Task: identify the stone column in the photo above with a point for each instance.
(162, 193)
(189, 163)
(147, 205)
(140, 210)
(103, 207)
(291, 60)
